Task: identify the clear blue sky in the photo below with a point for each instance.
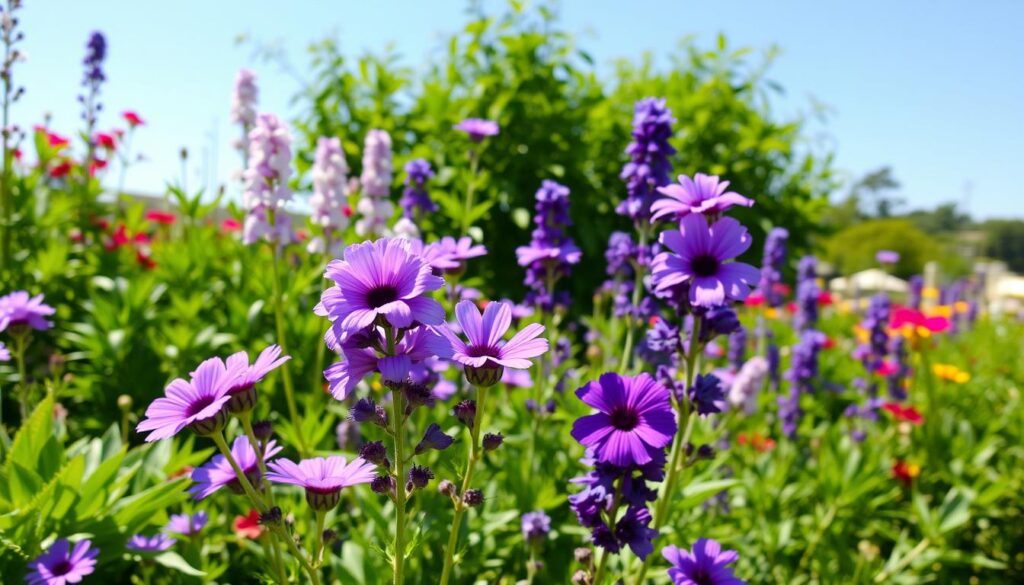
(933, 88)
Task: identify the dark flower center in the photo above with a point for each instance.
(482, 351)
(624, 419)
(704, 265)
(199, 405)
(61, 568)
(382, 295)
(700, 577)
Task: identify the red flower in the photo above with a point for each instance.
(905, 472)
(782, 289)
(132, 118)
(61, 170)
(905, 316)
(53, 139)
(97, 165)
(824, 298)
(887, 368)
(754, 299)
(829, 343)
(904, 413)
(145, 260)
(163, 217)
(230, 225)
(759, 442)
(17, 154)
(248, 526)
(105, 140)
(119, 238)
(791, 307)
(347, 211)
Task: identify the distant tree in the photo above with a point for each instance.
(1005, 241)
(945, 218)
(854, 248)
(873, 191)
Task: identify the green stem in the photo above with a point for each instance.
(20, 346)
(218, 439)
(319, 558)
(474, 163)
(913, 554)
(289, 388)
(282, 534)
(601, 565)
(684, 416)
(638, 286)
(246, 418)
(399, 434)
(472, 456)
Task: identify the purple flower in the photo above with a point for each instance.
(361, 358)
(380, 280)
(150, 544)
(649, 152)
(771, 267)
(634, 530)
(707, 394)
(486, 349)
(198, 403)
(322, 477)
(698, 255)
(433, 438)
(450, 255)
(737, 350)
(61, 564)
(916, 284)
(95, 54)
(551, 251)
(187, 524)
(535, 526)
(242, 390)
(18, 308)
(217, 472)
(887, 257)
(478, 128)
(634, 420)
(415, 199)
(807, 293)
(747, 382)
(330, 191)
(701, 195)
(707, 564)
(270, 164)
(375, 207)
(5, 355)
(243, 100)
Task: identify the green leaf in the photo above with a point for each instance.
(696, 493)
(173, 560)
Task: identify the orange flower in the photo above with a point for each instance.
(951, 373)
(248, 526)
(759, 442)
(905, 472)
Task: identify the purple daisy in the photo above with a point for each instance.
(698, 254)
(217, 472)
(361, 359)
(5, 354)
(707, 564)
(450, 255)
(61, 564)
(380, 281)
(243, 390)
(198, 403)
(323, 477)
(189, 524)
(478, 128)
(703, 194)
(150, 544)
(18, 308)
(486, 355)
(635, 419)
(535, 526)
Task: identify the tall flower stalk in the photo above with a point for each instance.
(10, 37)
(477, 130)
(95, 54)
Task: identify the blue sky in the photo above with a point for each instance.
(933, 88)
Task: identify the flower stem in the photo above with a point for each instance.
(638, 286)
(246, 418)
(685, 418)
(399, 435)
(218, 439)
(472, 456)
(20, 346)
(319, 558)
(289, 389)
(474, 164)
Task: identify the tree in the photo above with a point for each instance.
(1005, 241)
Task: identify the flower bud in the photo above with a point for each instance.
(484, 377)
(124, 402)
(492, 441)
(473, 498)
(465, 411)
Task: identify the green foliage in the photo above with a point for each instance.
(854, 248)
(1004, 240)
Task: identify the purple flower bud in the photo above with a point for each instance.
(473, 498)
(433, 438)
(465, 411)
(383, 484)
(492, 441)
(376, 453)
(419, 477)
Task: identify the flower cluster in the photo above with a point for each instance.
(807, 294)
(648, 167)
(243, 100)
(551, 251)
(415, 201)
(375, 207)
(95, 54)
(329, 202)
(771, 267)
(266, 181)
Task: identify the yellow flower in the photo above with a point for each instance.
(771, 313)
(941, 311)
(930, 292)
(962, 306)
(951, 373)
(376, 386)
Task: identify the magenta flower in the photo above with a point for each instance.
(198, 403)
(61, 564)
(243, 389)
(635, 419)
(217, 472)
(887, 257)
(698, 254)
(380, 281)
(478, 128)
(361, 359)
(189, 524)
(701, 195)
(18, 308)
(323, 477)
(707, 564)
(150, 544)
(486, 355)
